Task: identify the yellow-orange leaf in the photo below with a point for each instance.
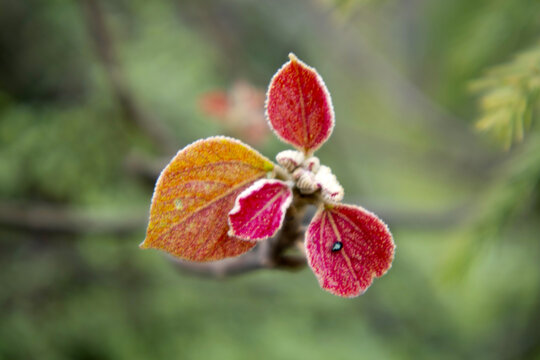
(194, 194)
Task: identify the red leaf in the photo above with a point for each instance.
(347, 246)
(194, 194)
(259, 210)
(299, 107)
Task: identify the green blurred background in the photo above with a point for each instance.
(96, 96)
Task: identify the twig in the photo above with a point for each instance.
(132, 111)
(254, 260)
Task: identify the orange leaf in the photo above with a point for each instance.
(194, 194)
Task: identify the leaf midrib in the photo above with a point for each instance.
(221, 196)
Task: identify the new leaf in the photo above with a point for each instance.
(259, 211)
(299, 107)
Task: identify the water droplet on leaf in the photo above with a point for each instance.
(178, 204)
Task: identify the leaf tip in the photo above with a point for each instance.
(269, 166)
(293, 57)
(144, 244)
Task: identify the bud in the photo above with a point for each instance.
(290, 159)
(305, 181)
(312, 164)
(331, 190)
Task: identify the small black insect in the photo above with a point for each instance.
(337, 246)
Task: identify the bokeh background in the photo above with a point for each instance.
(96, 96)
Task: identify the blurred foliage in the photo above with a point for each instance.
(510, 96)
(42, 150)
(465, 215)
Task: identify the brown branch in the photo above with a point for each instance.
(59, 220)
(256, 259)
(105, 50)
